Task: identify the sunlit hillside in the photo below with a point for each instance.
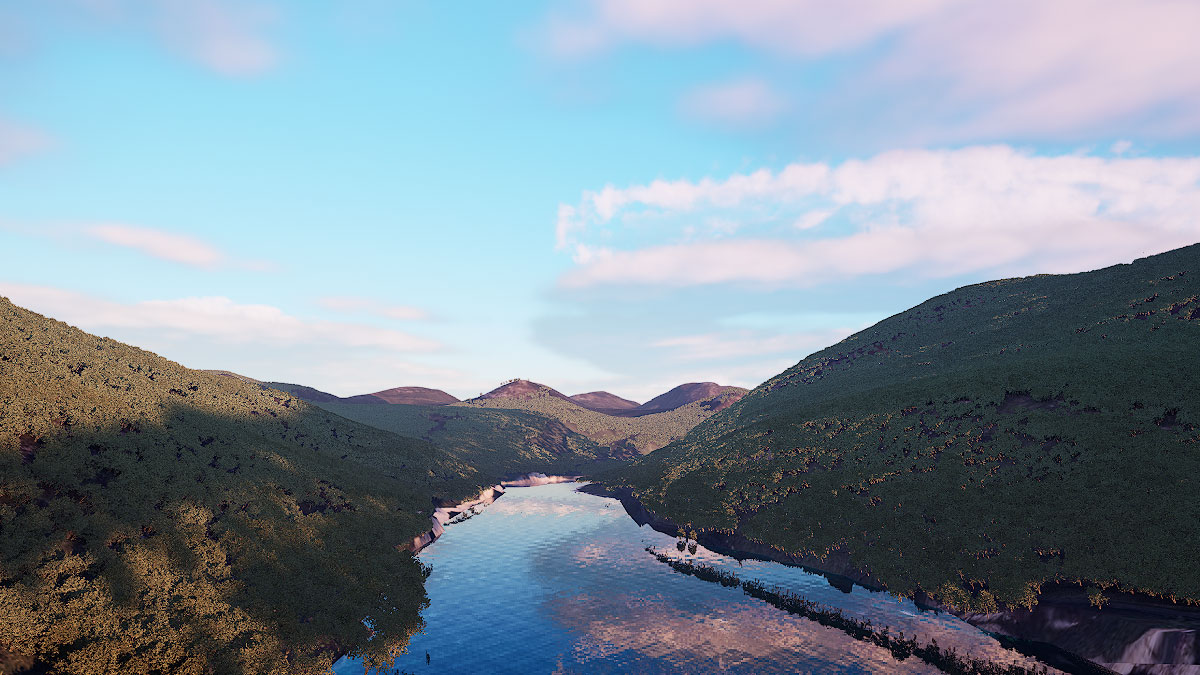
(625, 436)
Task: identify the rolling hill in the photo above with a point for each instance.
(602, 401)
(991, 441)
(693, 392)
(496, 442)
(159, 519)
(396, 395)
(624, 436)
(414, 396)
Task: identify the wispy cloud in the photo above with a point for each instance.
(745, 102)
(17, 141)
(231, 37)
(217, 319)
(180, 248)
(929, 213)
(740, 344)
(354, 304)
(228, 37)
(957, 70)
(799, 28)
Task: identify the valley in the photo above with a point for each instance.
(1012, 450)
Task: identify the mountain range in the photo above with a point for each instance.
(623, 428)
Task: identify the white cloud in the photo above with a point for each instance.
(350, 304)
(160, 244)
(812, 219)
(206, 318)
(927, 213)
(1021, 66)
(747, 102)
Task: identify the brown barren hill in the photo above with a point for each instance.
(602, 401)
(414, 396)
(690, 393)
(523, 389)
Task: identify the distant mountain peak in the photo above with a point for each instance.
(691, 393)
(396, 395)
(415, 396)
(602, 401)
(523, 389)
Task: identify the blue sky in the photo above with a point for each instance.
(596, 194)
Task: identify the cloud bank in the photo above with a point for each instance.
(928, 213)
(985, 68)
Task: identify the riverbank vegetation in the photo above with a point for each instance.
(975, 447)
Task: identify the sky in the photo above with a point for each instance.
(619, 195)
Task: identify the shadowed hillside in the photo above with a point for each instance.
(625, 436)
(986, 442)
(156, 518)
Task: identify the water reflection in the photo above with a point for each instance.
(548, 580)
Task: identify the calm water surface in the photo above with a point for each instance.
(549, 580)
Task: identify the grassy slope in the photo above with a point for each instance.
(631, 435)
(505, 443)
(158, 518)
(979, 445)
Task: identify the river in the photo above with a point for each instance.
(550, 580)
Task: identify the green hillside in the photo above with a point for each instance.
(159, 519)
(977, 446)
(625, 436)
(504, 443)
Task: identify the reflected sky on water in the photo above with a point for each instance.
(549, 580)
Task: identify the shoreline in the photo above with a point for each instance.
(1131, 634)
(444, 513)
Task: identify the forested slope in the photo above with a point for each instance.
(159, 519)
(977, 446)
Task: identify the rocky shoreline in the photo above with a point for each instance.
(445, 513)
(1134, 634)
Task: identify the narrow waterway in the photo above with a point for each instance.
(550, 580)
